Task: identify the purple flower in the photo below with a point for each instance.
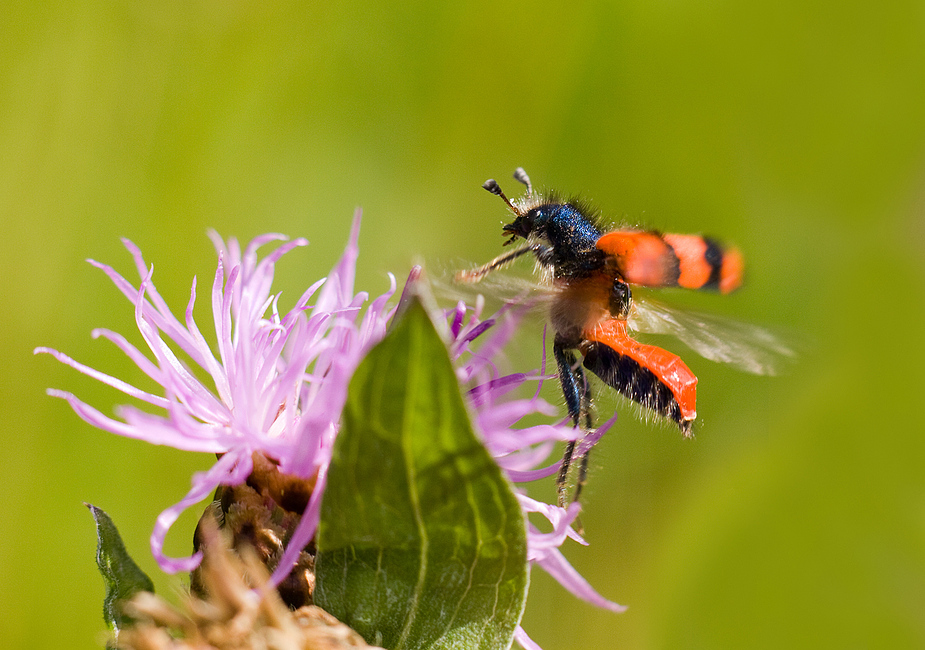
(279, 381)
(278, 384)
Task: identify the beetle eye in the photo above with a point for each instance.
(521, 227)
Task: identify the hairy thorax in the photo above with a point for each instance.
(580, 304)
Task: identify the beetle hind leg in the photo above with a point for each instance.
(577, 394)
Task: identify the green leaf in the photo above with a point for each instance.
(421, 543)
(123, 577)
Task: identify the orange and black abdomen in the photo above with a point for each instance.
(655, 260)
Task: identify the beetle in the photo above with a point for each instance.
(591, 271)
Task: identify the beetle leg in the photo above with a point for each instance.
(578, 402)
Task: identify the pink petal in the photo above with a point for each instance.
(555, 564)
(231, 469)
(525, 642)
(109, 380)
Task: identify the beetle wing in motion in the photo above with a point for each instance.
(652, 259)
(744, 346)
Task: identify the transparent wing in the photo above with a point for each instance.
(745, 346)
(505, 287)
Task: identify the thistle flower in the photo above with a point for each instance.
(279, 384)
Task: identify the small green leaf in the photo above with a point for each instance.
(122, 576)
(421, 543)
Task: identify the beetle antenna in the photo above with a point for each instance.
(492, 186)
(521, 175)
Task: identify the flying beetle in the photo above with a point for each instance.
(591, 271)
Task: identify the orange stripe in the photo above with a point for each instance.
(642, 257)
(730, 274)
(691, 251)
(667, 367)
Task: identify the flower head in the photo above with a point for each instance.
(277, 384)
(278, 380)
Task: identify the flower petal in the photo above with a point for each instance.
(231, 469)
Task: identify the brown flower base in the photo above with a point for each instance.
(241, 611)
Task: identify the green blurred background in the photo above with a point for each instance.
(795, 129)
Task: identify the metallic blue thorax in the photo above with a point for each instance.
(571, 234)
